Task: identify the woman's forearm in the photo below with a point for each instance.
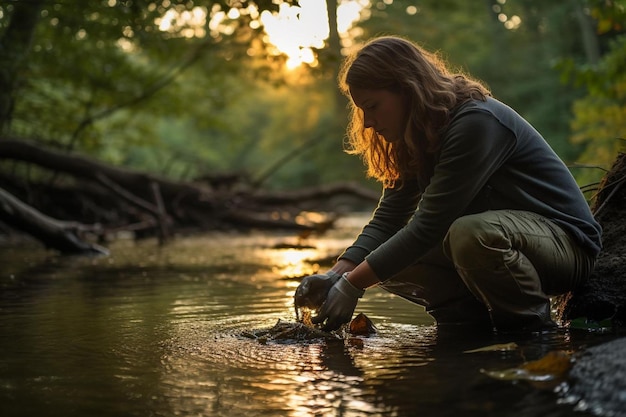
(363, 276)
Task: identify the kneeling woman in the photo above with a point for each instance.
(479, 220)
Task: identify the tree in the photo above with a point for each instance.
(114, 197)
(15, 45)
(91, 59)
(511, 46)
(598, 125)
(100, 75)
(188, 89)
(134, 51)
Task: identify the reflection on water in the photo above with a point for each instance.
(156, 331)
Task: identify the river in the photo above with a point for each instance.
(157, 331)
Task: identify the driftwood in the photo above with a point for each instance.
(52, 233)
(603, 296)
(88, 191)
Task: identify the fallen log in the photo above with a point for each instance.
(55, 234)
(89, 191)
(79, 166)
(157, 210)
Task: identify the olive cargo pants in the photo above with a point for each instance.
(497, 267)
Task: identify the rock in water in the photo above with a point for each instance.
(599, 380)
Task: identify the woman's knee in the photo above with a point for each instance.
(471, 239)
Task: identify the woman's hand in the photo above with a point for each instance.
(313, 290)
(344, 295)
(339, 305)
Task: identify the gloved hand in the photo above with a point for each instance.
(339, 305)
(313, 290)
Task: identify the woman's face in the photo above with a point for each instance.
(383, 110)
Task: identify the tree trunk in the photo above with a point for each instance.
(588, 33)
(333, 53)
(14, 46)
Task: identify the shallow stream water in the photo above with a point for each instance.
(157, 331)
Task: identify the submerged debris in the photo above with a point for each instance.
(287, 330)
(304, 329)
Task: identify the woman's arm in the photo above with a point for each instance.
(363, 276)
(395, 208)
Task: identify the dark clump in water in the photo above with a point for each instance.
(291, 331)
(304, 330)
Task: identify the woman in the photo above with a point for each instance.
(479, 220)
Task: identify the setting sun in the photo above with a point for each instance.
(293, 31)
(296, 30)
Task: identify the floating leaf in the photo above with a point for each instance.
(496, 347)
(554, 366)
(362, 325)
(556, 363)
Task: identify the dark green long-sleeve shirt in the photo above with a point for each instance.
(490, 158)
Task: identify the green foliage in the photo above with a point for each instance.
(599, 122)
(511, 46)
(102, 77)
(610, 15)
(90, 59)
(535, 56)
(591, 325)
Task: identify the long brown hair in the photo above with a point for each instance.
(431, 90)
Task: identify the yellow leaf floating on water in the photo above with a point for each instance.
(553, 366)
(557, 363)
(496, 347)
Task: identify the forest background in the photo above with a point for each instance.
(201, 89)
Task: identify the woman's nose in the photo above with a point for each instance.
(368, 122)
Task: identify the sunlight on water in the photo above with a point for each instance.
(291, 262)
(160, 331)
(287, 378)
